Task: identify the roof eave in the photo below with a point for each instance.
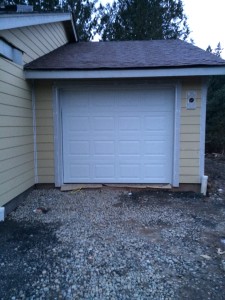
(137, 73)
(10, 21)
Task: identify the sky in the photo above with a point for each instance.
(206, 20)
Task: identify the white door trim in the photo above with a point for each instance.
(57, 117)
(176, 150)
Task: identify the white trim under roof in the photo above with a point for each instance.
(96, 74)
(9, 21)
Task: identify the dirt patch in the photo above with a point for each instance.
(25, 250)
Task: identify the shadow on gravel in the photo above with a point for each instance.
(25, 248)
(160, 198)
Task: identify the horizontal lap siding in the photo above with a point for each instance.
(190, 135)
(16, 120)
(16, 132)
(35, 41)
(44, 129)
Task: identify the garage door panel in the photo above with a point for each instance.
(104, 147)
(102, 104)
(80, 171)
(120, 135)
(124, 96)
(156, 174)
(129, 148)
(154, 147)
(129, 123)
(79, 148)
(77, 123)
(156, 123)
(130, 171)
(104, 171)
(103, 123)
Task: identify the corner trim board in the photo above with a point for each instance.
(57, 138)
(34, 133)
(203, 128)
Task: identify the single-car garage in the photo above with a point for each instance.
(118, 134)
(122, 112)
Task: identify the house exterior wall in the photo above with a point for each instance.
(37, 40)
(16, 115)
(44, 130)
(16, 132)
(189, 133)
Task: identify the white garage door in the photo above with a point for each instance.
(117, 135)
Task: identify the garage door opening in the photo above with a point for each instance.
(117, 134)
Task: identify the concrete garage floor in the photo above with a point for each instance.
(108, 244)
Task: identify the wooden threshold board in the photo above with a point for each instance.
(78, 186)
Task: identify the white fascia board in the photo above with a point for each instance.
(17, 20)
(96, 74)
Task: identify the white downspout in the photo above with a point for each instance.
(204, 185)
(2, 213)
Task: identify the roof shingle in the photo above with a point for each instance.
(125, 55)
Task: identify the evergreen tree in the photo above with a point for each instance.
(85, 14)
(209, 49)
(38, 5)
(218, 50)
(143, 20)
(215, 120)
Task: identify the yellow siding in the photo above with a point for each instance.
(17, 188)
(44, 129)
(190, 134)
(16, 119)
(16, 132)
(37, 40)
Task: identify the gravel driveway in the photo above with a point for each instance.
(110, 244)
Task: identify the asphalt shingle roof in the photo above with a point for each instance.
(125, 55)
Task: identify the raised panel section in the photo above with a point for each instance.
(117, 134)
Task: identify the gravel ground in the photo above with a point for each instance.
(110, 244)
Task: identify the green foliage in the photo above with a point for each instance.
(217, 51)
(215, 121)
(209, 49)
(85, 15)
(143, 20)
(38, 5)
